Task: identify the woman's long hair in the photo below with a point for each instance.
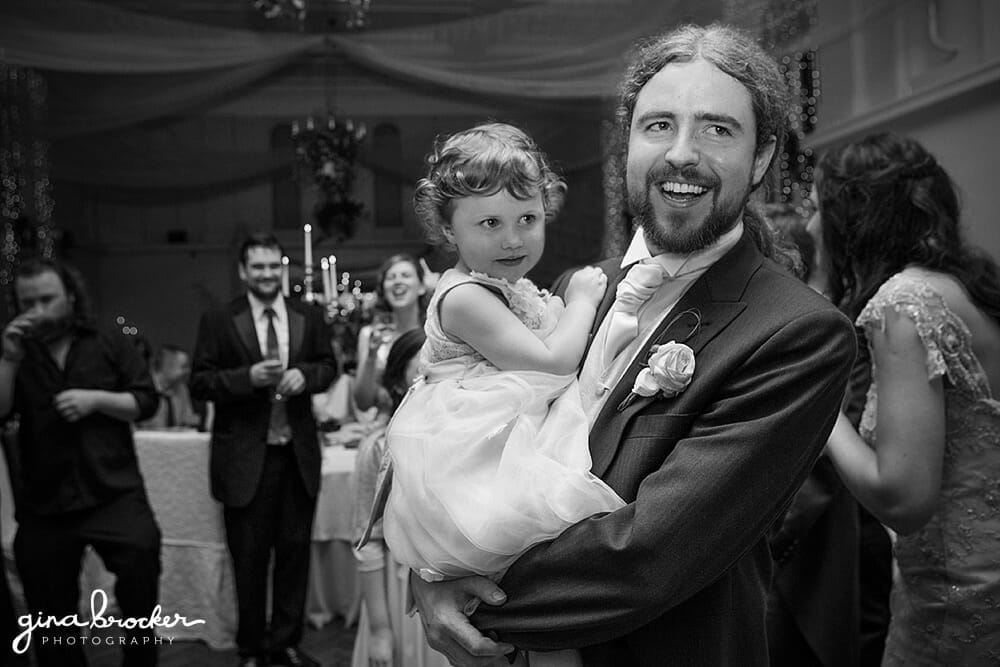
(886, 204)
(402, 351)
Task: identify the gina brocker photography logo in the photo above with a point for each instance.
(99, 620)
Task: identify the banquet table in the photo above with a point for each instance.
(197, 579)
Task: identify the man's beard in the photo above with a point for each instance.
(681, 240)
(267, 296)
(51, 330)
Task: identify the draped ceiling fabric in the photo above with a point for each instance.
(109, 70)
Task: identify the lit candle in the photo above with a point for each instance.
(333, 275)
(309, 247)
(324, 265)
(284, 276)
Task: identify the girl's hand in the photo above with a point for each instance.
(587, 285)
(380, 648)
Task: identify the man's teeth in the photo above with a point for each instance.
(673, 188)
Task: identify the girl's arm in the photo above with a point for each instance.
(899, 481)
(475, 315)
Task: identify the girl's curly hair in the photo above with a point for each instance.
(479, 162)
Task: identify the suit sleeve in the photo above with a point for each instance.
(211, 379)
(711, 500)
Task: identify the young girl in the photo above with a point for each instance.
(489, 449)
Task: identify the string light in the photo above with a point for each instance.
(25, 187)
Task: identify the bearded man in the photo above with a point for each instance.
(77, 390)
(706, 462)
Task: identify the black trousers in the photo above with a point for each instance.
(278, 520)
(49, 550)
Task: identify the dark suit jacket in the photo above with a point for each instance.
(680, 575)
(220, 372)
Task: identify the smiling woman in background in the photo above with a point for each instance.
(400, 287)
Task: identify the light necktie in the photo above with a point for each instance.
(640, 283)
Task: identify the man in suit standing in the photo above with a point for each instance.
(259, 359)
(680, 575)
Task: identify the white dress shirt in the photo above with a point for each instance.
(280, 324)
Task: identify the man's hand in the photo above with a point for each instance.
(75, 404)
(444, 610)
(266, 373)
(13, 335)
(292, 383)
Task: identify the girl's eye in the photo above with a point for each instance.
(490, 223)
(528, 219)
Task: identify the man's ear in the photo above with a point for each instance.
(242, 271)
(762, 160)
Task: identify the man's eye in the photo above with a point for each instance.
(720, 131)
(658, 126)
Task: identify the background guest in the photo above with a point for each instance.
(77, 390)
(926, 457)
(258, 359)
(171, 368)
(812, 614)
(400, 286)
(386, 635)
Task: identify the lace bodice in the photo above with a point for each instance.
(534, 307)
(946, 597)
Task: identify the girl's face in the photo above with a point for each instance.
(401, 285)
(498, 235)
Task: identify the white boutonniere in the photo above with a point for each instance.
(668, 371)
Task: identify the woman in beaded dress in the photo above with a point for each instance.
(926, 458)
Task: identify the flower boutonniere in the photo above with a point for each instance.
(668, 371)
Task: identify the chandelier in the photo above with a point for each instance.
(325, 153)
(296, 10)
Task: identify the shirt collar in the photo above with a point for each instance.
(257, 307)
(673, 263)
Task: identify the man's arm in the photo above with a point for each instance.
(711, 500)
(210, 380)
(317, 364)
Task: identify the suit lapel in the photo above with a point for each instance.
(243, 321)
(711, 303)
(296, 327)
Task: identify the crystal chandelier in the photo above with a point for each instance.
(296, 10)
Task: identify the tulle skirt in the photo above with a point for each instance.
(485, 466)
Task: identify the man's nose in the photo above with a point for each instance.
(682, 152)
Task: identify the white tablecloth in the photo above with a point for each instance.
(197, 579)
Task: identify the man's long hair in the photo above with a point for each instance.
(736, 54)
(76, 289)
